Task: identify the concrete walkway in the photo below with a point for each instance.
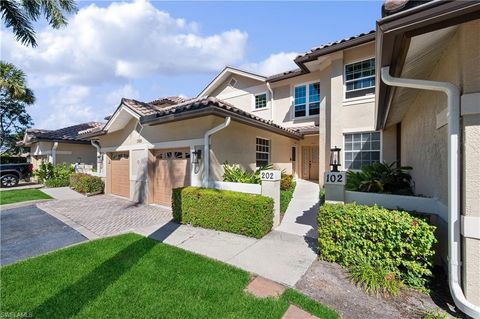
(62, 193)
(278, 256)
(301, 216)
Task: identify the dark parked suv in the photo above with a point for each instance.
(11, 174)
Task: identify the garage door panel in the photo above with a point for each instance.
(120, 178)
(172, 170)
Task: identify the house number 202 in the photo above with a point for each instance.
(266, 175)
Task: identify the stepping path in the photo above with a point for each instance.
(301, 215)
(264, 288)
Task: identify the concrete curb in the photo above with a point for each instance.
(25, 203)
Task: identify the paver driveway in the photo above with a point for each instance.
(106, 215)
(28, 231)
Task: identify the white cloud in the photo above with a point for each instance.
(113, 98)
(122, 41)
(275, 63)
(68, 107)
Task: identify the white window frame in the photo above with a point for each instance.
(307, 101)
(267, 104)
(269, 150)
(368, 96)
(358, 132)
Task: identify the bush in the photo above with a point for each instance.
(56, 182)
(239, 213)
(399, 241)
(235, 174)
(84, 183)
(381, 178)
(286, 182)
(375, 278)
(54, 175)
(286, 196)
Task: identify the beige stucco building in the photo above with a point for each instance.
(336, 97)
(60, 146)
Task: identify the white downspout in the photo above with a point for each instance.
(271, 99)
(206, 150)
(99, 154)
(54, 153)
(454, 254)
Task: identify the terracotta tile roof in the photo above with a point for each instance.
(70, 133)
(168, 100)
(285, 75)
(308, 129)
(318, 50)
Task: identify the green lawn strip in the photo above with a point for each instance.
(131, 276)
(286, 197)
(21, 195)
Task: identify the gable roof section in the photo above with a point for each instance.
(224, 74)
(150, 115)
(67, 134)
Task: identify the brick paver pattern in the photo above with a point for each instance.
(107, 215)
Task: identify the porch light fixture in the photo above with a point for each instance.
(197, 156)
(335, 158)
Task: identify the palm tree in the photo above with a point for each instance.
(15, 96)
(19, 15)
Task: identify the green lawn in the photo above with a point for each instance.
(21, 195)
(131, 276)
(286, 197)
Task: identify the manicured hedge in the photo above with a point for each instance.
(240, 213)
(397, 240)
(84, 183)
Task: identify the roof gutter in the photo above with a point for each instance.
(206, 145)
(454, 251)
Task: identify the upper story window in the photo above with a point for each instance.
(306, 100)
(260, 101)
(360, 78)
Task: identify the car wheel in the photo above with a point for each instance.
(9, 180)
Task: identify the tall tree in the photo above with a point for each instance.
(20, 14)
(15, 96)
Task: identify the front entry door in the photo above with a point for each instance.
(310, 162)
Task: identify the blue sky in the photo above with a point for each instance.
(145, 50)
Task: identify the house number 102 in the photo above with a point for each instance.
(337, 178)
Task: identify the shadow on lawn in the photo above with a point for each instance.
(69, 301)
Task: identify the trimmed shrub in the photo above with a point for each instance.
(399, 241)
(84, 183)
(239, 213)
(286, 196)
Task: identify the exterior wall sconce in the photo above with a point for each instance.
(335, 158)
(197, 156)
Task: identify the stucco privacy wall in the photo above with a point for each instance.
(425, 147)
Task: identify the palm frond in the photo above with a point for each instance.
(15, 17)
